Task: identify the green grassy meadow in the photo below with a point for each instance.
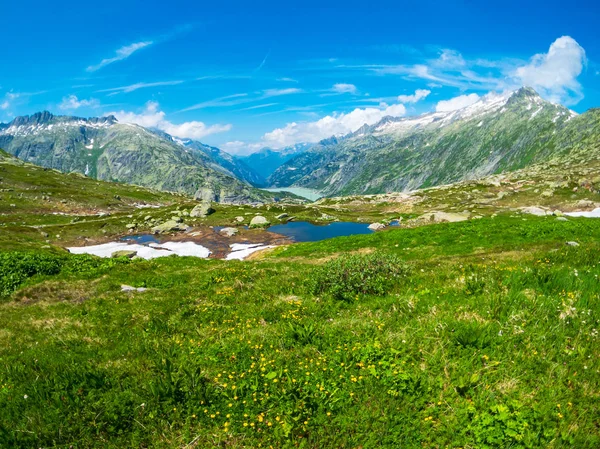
(479, 334)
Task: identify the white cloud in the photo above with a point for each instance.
(344, 88)
(71, 103)
(122, 53)
(153, 117)
(554, 74)
(238, 147)
(331, 125)
(5, 105)
(417, 96)
(455, 103)
(136, 86)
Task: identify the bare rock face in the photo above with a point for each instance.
(202, 210)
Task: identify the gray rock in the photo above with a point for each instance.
(534, 210)
(281, 216)
(376, 226)
(124, 253)
(572, 244)
(229, 232)
(131, 225)
(562, 219)
(259, 222)
(167, 226)
(202, 210)
(239, 219)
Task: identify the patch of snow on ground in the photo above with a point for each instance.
(589, 214)
(184, 248)
(240, 251)
(107, 249)
(145, 252)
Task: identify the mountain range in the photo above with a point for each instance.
(496, 134)
(500, 132)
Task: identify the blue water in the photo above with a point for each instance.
(143, 239)
(303, 231)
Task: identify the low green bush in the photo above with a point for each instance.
(347, 277)
(17, 267)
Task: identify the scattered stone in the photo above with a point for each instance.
(557, 213)
(177, 219)
(202, 210)
(259, 222)
(239, 219)
(561, 219)
(229, 232)
(129, 288)
(281, 216)
(547, 194)
(376, 226)
(124, 253)
(131, 225)
(147, 218)
(572, 244)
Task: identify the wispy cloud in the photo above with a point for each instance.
(136, 86)
(121, 54)
(286, 79)
(243, 98)
(258, 106)
(264, 61)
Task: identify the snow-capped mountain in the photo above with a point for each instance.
(500, 132)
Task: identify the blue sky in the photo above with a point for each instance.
(242, 75)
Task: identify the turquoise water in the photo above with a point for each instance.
(309, 194)
(303, 231)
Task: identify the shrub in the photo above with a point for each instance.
(349, 276)
(17, 267)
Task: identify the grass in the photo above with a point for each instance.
(487, 338)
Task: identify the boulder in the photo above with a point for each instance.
(124, 253)
(376, 226)
(281, 216)
(445, 217)
(259, 222)
(572, 244)
(202, 210)
(562, 219)
(239, 219)
(229, 232)
(205, 194)
(167, 226)
(534, 210)
(131, 225)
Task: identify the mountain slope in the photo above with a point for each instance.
(499, 133)
(227, 163)
(104, 149)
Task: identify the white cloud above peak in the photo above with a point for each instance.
(153, 117)
(72, 103)
(121, 54)
(462, 101)
(554, 74)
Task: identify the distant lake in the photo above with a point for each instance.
(309, 194)
(303, 231)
